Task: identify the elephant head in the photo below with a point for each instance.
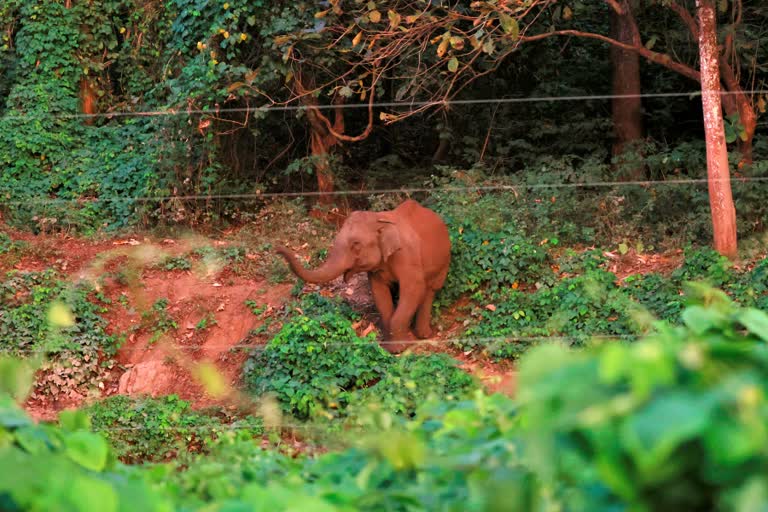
(364, 244)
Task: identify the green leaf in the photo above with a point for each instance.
(16, 377)
(92, 494)
(509, 25)
(32, 440)
(722, 5)
(453, 65)
(74, 420)
(756, 322)
(700, 319)
(87, 449)
(655, 431)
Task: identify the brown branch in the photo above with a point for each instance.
(617, 7)
(659, 58)
(323, 125)
(687, 19)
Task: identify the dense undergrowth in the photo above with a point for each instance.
(160, 429)
(318, 368)
(592, 303)
(674, 422)
(77, 352)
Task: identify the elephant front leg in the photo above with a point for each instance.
(411, 295)
(424, 316)
(382, 297)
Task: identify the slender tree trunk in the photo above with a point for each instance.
(737, 102)
(718, 174)
(87, 99)
(321, 145)
(626, 111)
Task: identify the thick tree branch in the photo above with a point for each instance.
(687, 18)
(659, 58)
(323, 125)
(616, 6)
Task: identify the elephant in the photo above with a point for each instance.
(408, 246)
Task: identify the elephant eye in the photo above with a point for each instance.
(355, 245)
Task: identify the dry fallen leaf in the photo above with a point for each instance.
(368, 330)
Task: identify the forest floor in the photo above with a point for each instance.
(212, 310)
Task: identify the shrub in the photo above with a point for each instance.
(675, 422)
(314, 363)
(410, 382)
(74, 352)
(158, 429)
(574, 309)
(491, 248)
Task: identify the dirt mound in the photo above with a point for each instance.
(212, 323)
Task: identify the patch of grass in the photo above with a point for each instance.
(175, 263)
(157, 320)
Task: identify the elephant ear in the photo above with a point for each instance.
(389, 238)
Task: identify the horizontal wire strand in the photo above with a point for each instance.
(411, 190)
(397, 104)
(463, 340)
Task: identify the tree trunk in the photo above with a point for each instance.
(737, 102)
(718, 174)
(87, 99)
(626, 111)
(321, 144)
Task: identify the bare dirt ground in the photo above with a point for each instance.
(209, 309)
(212, 319)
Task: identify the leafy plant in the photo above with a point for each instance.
(175, 263)
(75, 353)
(314, 363)
(158, 320)
(411, 382)
(673, 422)
(160, 429)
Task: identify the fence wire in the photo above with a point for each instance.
(276, 107)
(406, 190)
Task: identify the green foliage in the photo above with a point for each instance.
(158, 321)
(8, 245)
(230, 464)
(159, 429)
(592, 303)
(491, 248)
(674, 422)
(175, 263)
(74, 352)
(412, 381)
(314, 363)
(573, 310)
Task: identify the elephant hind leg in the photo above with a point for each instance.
(411, 298)
(424, 316)
(382, 297)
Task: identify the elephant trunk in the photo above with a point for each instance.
(333, 267)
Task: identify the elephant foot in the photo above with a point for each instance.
(398, 344)
(424, 333)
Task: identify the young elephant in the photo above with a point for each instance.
(409, 245)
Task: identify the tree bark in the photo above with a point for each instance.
(627, 109)
(322, 140)
(738, 103)
(718, 174)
